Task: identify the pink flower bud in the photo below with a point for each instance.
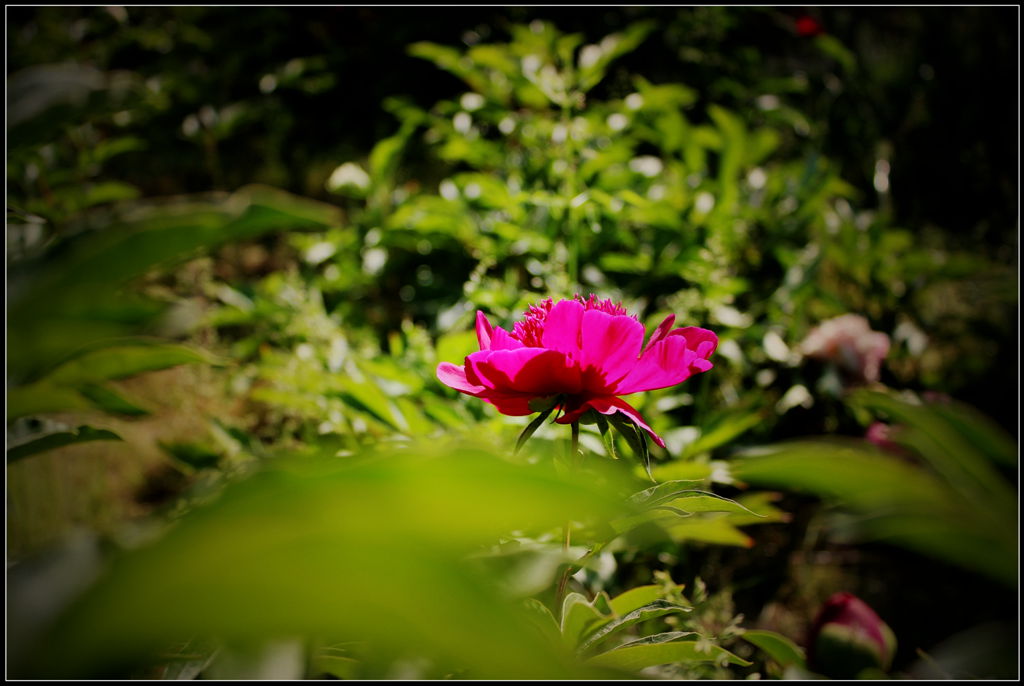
(847, 637)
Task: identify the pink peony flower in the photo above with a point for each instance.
(580, 355)
(849, 342)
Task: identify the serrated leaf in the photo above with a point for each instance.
(663, 492)
(665, 637)
(634, 598)
(656, 608)
(59, 439)
(703, 501)
(637, 657)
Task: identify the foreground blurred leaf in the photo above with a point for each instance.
(958, 445)
(902, 503)
(370, 548)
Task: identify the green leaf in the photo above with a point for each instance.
(531, 428)
(456, 345)
(606, 436)
(946, 447)
(637, 657)
(831, 46)
(59, 439)
(635, 437)
(117, 362)
(43, 397)
(635, 598)
(777, 647)
(71, 297)
(109, 400)
(702, 501)
(543, 618)
(907, 505)
(595, 59)
(662, 493)
(718, 530)
(722, 433)
(655, 639)
(680, 470)
(577, 615)
(195, 455)
(367, 395)
(655, 608)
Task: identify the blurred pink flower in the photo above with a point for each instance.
(808, 26)
(880, 434)
(581, 355)
(849, 342)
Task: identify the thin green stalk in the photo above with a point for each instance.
(574, 459)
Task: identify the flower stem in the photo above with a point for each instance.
(574, 459)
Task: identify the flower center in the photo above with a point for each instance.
(530, 331)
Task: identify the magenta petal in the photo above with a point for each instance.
(611, 345)
(483, 330)
(610, 405)
(524, 370)
(702, 341)
(661, 331)
(454, 376)
(502, 340)
(562, 328)
(509, 404)
(671, 361)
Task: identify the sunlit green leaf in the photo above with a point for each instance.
(652, 610)
(637, 657)
(778, 647)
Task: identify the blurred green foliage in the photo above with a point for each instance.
(179, 193)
